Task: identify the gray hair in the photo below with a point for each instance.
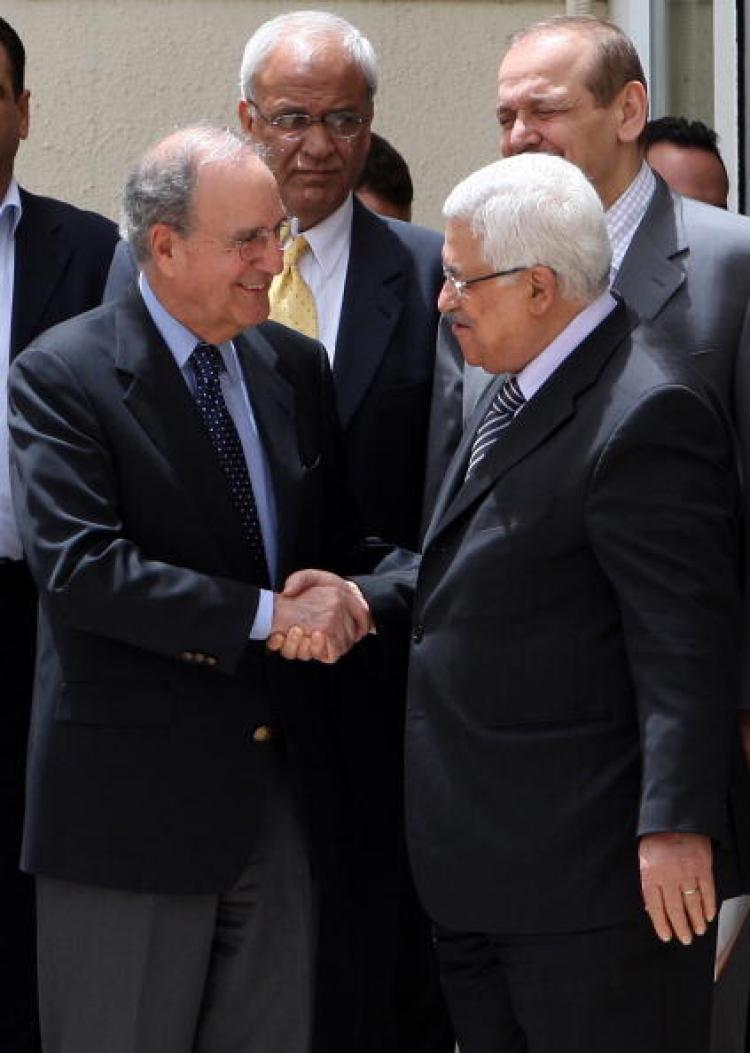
(307, 33)
(537, 209)
(159, 189)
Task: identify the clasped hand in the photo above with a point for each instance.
(318, 615)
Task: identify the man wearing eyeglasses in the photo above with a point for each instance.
(573, 647)
(308, 83)
(367, 288)
(173, 459)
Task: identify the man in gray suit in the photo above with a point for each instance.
(574, 86)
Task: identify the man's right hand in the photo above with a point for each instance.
(318, 615)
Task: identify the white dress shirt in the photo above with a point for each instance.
(324, 269)
(541, 368)
(10, 216)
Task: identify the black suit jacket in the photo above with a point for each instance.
(143, 771)
(574, 646)
(385, 353)
(62, 257)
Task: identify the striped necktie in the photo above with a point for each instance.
(207, 365)
(292, 302)
(503, 409)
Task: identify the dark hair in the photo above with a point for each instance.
(681, 132)
(616, 60)
(387, 173)
(11, 41)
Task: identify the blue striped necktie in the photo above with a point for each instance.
(503, 409)
(208, 365)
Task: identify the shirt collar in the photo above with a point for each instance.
(330, 238)
(178, 338)
(625, 214)
(11, 204)
(532, 376)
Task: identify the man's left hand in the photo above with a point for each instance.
(678, 885)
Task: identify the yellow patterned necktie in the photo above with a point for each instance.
(292, 301)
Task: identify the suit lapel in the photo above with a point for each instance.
(373, 301)
(156, 394)
(551, 406)
(42, 254)
(650, 273)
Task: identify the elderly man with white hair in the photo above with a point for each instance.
(573, 648)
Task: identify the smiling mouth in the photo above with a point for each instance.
(255, 287)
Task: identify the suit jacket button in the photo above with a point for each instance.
(263, 733)
(417, 633)
(209, 659)
(187, 656)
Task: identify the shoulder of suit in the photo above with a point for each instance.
(74, 219)
(699, 216)
(84, 342)
(417, 241)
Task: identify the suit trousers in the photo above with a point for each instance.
(617, 989)
(19, 1025)
(135, 972)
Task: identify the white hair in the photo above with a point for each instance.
(160, 188)
(537, 209)
(307, 33)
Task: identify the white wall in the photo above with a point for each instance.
(108, 77)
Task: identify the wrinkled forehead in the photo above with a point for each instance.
(546, 64)
(321, 63)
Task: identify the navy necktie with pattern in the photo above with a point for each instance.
(207, 365)
(503, 409)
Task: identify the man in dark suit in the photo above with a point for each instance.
(308, 82)
(167, 474)
(574, 648)
(53, 264)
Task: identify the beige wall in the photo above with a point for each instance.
(109, 76)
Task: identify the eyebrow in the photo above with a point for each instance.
(248, 233)
(554, 96)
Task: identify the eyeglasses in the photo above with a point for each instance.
(256, 242)
(458, 286)
(341, 124)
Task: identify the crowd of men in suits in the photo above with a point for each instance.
(221, 477)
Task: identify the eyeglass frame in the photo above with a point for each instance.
(250, 247)
(294, 135)
(458, 286)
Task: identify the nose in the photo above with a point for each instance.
(317, 141)
(272, 258)
(517, 137)
(446, 297)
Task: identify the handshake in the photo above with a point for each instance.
(318, 615)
